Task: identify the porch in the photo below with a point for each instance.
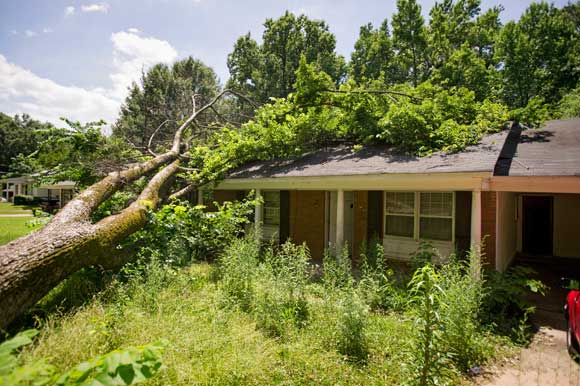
(401, 219)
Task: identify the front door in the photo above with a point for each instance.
(537, 225)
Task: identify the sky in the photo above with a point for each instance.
(77, 58)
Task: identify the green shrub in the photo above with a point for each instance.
(352, 321)
(25, 200)
(119, 367)
(375, 285)
(504, 307)
(281, 300)
(428, 362)
(237, 267)
(463, 292)
(337, 268)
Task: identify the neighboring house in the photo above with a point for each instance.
(60, 193)
(519, 189)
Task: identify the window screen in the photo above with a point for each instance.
(400, 214)
(271, 208)
(436, 216)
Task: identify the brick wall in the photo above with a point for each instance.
(307, 220)
(488, 222)
(360, 218)
(221, 196)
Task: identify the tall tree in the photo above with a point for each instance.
(269, 70)
(162, 99)
(537, 55)
(18, 135)
(373, 55)
(410, 41)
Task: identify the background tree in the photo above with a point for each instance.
(538, 56)
(373, 55)
(269, 70)
(162, 99)
(18, 135)
(410, 41)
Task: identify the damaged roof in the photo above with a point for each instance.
(343, 161)
(552, 150)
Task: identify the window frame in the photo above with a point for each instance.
(264, 206)
(417, 216)
(412, 215)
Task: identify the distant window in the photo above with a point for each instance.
(400, 214)
(271, 207)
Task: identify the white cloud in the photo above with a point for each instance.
(69, 11)
(47, 30)
(30, 33)
(132, 54)
(134, 30)
(13, 32)
(101, 7)
(22, 91)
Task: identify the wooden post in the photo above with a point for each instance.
(200, 196)
(339, 220)
(476, 220)
(258, 215)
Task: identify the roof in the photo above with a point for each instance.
(17, 180)
(60, 185)
(552, 150)
(343, 160)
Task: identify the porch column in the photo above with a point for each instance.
(339, 220)
(258, 213)
(476, 220)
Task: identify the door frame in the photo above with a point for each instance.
(520, 217)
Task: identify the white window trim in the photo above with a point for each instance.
(417, 217)
(264, 206)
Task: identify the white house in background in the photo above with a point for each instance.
(60, 192)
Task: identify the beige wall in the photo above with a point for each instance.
(507, 229)
(567, 225)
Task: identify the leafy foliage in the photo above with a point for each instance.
(119, 367)
(269, 70)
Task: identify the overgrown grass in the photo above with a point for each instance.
(258, 316)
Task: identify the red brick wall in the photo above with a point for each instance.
(221, 196)
(307, 220)
(360, 218)
(488, 222)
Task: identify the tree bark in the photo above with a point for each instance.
(32, 265)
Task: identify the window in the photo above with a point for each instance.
(426, 216)
(400, 214)
(271, 208)
(436, 216)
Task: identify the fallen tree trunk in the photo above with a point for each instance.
(32, 265)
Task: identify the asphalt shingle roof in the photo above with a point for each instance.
(342, 160)
(552, 150)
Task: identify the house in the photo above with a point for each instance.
(58, 193)
(518, 190)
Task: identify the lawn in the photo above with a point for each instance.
(12, 227)
(250, 321)
(8, 208)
